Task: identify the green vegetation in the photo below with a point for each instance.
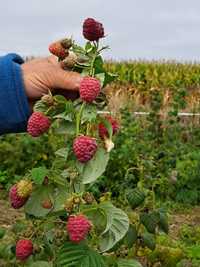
(158, 152)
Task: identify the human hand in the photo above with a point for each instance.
(42, 75)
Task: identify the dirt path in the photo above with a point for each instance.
(8, 214)
(188, 217)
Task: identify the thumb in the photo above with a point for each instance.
(67, 80)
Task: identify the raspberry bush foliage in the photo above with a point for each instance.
(65, 225)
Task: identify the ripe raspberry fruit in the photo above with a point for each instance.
(89, 89)
(92, 29)
(38, 124)
(78, 226)
(58, 50)
(24, 248)
(84, 148)
(24, 188)
(103, 131)
(15, 200)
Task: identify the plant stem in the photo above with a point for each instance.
(92, 71)
(78, 118)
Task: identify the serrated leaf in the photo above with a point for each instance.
(40, 106)
(60, 197)
(38, 175)
(65, 127)
(135, 197)
(60, 99)
(34, 204)
(79, 255)
(41, 264)
(149, 240)
(63, 152)
(150, 221)
(128, 263)
(94, 168)
(131, 236)
(117, 225)
(98, 65)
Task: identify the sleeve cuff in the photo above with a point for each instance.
(14, 107)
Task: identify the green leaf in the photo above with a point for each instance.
(135, 197)
(60, 197)
(94, 168)
(150, 221)
(163, 223)
(34, 204)
(89, 113)
(194, 252)
(131, 236)
(65, 127)
(117, 225)
(40, 106)
(128, 263)
(60, 99)
(149, 240)
(63, 152)
(98, 65)
(79, 255)
(38, 175)
(109, 77)
(41, 264)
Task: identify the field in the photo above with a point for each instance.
(157, 150)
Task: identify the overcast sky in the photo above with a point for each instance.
(147, 29)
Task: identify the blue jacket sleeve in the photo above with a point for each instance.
(14, 108)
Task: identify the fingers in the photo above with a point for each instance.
(67, 80)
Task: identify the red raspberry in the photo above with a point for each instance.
(24, 248)
(92, 29)
(58, 50)
(84, 148)
(78, 226)
(103, 132)
(16, 201)
(89, 89)
(38, 124)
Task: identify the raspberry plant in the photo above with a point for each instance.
(67, 226)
